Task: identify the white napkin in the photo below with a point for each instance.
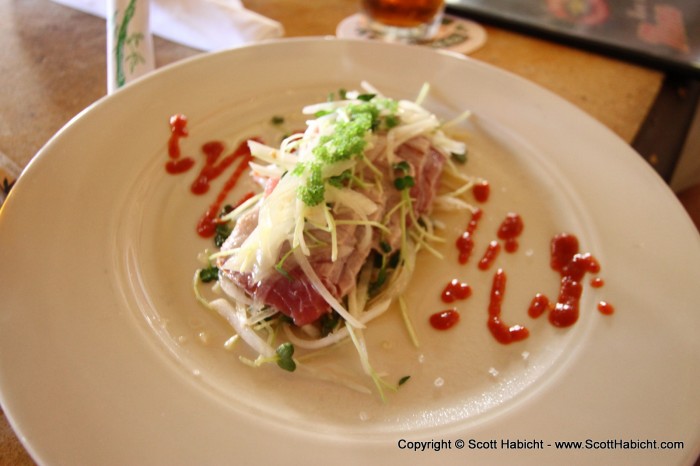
(201, 24)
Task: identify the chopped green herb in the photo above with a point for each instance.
(277, 120)
(313, 192)
(209, 274)
(404, 379)
(346, 142)
(391, 121)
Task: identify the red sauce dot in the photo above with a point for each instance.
(509, 230)
(606, 308)
(538, 306)
(444, 320)
(456, 290)
(597, 282)
(465, 245)
(482, 191)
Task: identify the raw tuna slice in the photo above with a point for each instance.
(290, 291)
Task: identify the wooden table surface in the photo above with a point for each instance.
(52, 66)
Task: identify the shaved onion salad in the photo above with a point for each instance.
(362, 180)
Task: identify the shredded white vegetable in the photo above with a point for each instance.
(313, 180)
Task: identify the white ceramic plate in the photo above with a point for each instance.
(105, 358)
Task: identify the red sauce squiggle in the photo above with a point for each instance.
(501, 332)
(213, 168)
(572, 267)
(178, 130)
(465, 242)
(490, 255)
(206, 227)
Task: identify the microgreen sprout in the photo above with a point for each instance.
(404, 182)
(222, 232)
(279, 266)
(402, 166)
(383, 263)
(285, 351)
(209, 274)
(334, 174)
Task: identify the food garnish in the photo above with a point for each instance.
(331, 240)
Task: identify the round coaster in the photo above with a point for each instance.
(455, 34)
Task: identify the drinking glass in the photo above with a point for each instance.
(408, 21)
